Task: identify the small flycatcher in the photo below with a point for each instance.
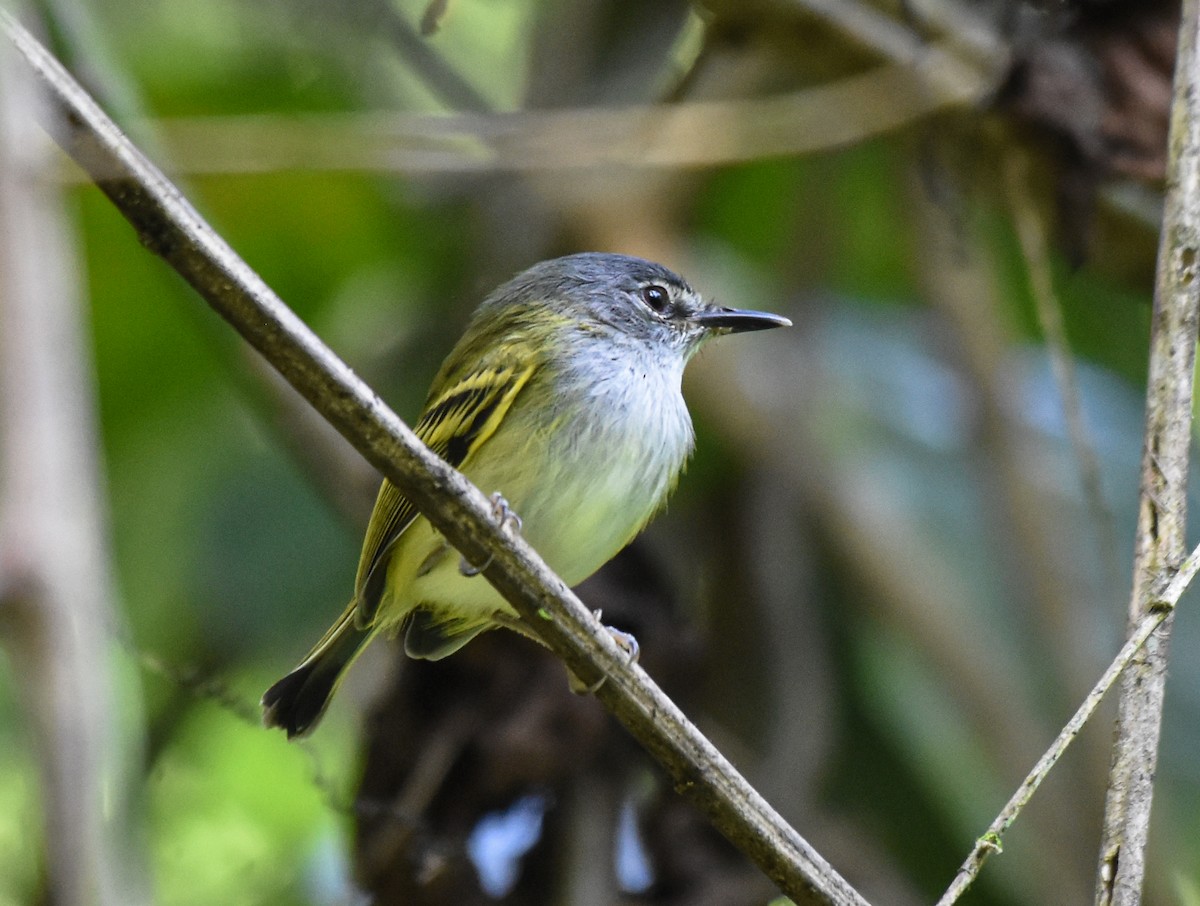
(564, 395)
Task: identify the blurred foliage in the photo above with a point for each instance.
(906, 737)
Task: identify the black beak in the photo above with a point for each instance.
(738, 320)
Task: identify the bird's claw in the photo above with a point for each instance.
(626, 642)
(510, 524)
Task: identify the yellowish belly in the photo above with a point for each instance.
(578, 507)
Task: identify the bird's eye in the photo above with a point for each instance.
(656, 297)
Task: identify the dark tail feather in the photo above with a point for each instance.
(297, 701)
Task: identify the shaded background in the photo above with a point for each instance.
(897, 561)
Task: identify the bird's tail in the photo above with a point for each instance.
(297, 701)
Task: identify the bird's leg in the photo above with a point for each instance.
(510, 523)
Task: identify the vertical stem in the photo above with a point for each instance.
(1162, 514)
(54, 609)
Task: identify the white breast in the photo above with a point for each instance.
(600, 459)
(624, 439)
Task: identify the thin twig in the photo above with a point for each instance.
(169, 226)
(991, 840)
(439, 76)
(1162, 511)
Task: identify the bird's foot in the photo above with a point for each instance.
(510, 524)
(626, 642)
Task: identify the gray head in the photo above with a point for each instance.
(628, 296)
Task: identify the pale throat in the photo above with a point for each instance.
(628, 437)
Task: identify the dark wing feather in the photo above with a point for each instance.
(455, 424)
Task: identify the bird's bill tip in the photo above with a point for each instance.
(739, 320)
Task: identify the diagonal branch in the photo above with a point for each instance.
(1163, 497)
(1158, 610)
(170, 227)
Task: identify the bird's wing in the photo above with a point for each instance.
(456, 422)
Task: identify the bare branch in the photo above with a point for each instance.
(915, 80)
(1163, 497)
(168, 225)
(991, 840)
(686, 134)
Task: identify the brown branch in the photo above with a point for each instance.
(1162, 511)
(169, 226)
(685, 134)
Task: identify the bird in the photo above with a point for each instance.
(564, 397)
